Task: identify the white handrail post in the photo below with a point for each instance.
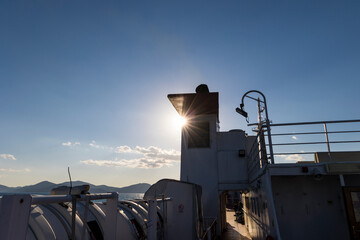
(152, 220)
(14, 216)
(111, 217)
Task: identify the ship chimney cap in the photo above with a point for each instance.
(202, 88)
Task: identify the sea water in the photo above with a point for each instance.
(129, 196)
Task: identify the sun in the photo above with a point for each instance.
(179, 121)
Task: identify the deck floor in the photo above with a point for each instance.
(234, 230)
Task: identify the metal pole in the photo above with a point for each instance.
(85, 218)
(152, 220)
(111, 217)
(327, 141)
(262, 145)
(272, 205)
(259, 114)
(73, 217)
(269, 133)
(267, 121)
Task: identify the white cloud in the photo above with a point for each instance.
(94, 145)
(97, 146)
(11, 170)
(152, 157)
(69, 144)
(291, 158)
(130, 163)
(294, 137)
(123, 149)
(155, 153)
(150, 152)
(7, 156)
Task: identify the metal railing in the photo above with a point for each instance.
(210, 229)
(257, 156)
(15, 210)
(300, 143)
(305, 138)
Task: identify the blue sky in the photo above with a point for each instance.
(84, 83)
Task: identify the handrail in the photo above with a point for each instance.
(210, 232)
(304, 143)
(305, 133)
(347, 137)
(257, 157)
(306, 123)
(47, 199)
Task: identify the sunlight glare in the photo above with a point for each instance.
(179, 121)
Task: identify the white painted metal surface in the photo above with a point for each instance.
(152, 220)
(111, 217)
(14, 216)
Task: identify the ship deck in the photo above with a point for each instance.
(234, 230)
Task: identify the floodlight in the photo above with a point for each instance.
(242, 112)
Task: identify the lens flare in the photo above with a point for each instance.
(180, 121)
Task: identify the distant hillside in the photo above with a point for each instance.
(45, 187)
(39, 187)
(5, 189)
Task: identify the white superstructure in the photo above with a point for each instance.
(317, 197)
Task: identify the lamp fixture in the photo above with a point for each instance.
(241, 112)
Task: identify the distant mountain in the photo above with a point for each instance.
(46, 186)
(5, 189)
(39, 187)
(136, 188)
